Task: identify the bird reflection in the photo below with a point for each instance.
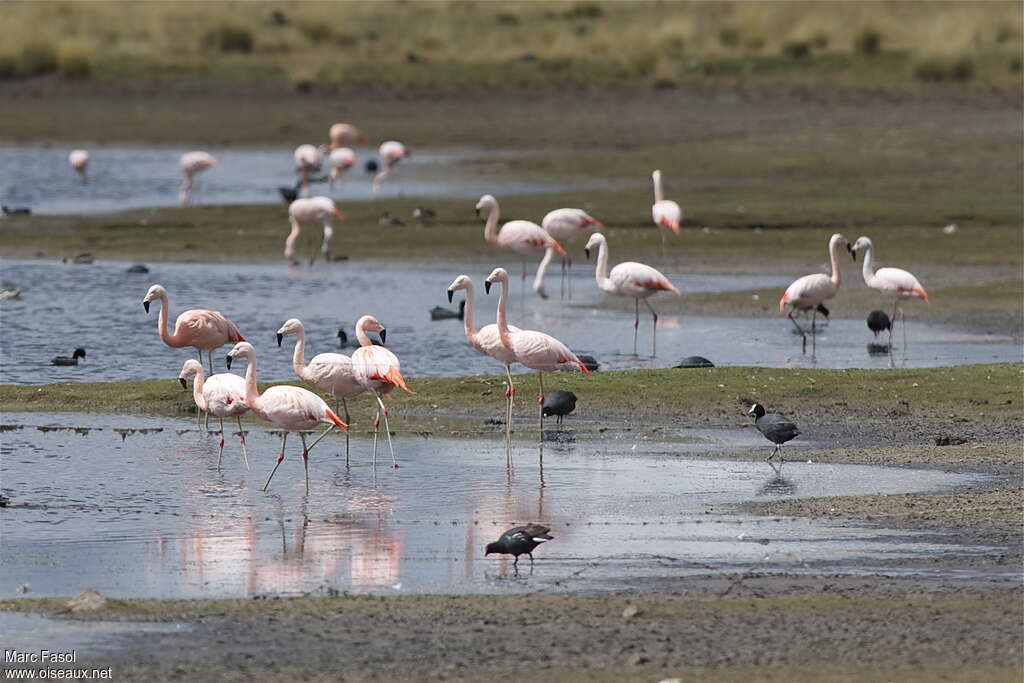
(777, 485)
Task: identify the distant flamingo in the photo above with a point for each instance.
(343, 134)
(309, 210)
(330, 372)
(205, 330)
(810, 291)
(377, 370)
(341, 160)
(523, 237)
(636, 280)
(536, 350)
(564, 225)
(390, 152)
(222, 394)
(79, 160)
(308, 158)
(487, 340)
(291, 408)
(666, 212)
(895, 283)
(192, 163)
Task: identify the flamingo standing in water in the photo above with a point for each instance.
(330, 372)
(536, 350)
(390, 152)
(636, 280)
(487, 340)
(291, 408)
(564, 225)
(342, 159)
(895, 283)
(192, 163)
(79, 160)
(376, 369)
(343, 134)
(222, 394)
(523, 237)
(811, 291)
(309, 210)
(204, 329)
(308, 158)
(666, 213)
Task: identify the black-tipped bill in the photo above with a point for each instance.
(487, 286)
(853, 254)
(184, 383)
(228, 362)
(478, 213)
(383, 336)
(279, 338)
(450, 295)
(145, 304)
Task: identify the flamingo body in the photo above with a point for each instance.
(342, 134)
(390, 152)
(665, 212)
(200, 328)
(79, 160)
(192, 163)
(342, 159)
(565, 225)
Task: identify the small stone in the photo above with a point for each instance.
(630, 612)
(87, 601)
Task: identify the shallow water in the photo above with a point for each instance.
(136, 177)
(99, 307)
(148, 515)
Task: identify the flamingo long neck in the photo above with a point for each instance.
(299, 355)
(542, 269)
(491, 226)
(467, 317)
(161, 325)
(867, 269)
(362, 337)
(837, 275)
(657, 188)
(601, 270)
(503, 333)
(252, 392)
(197, 388)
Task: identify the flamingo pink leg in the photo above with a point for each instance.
(241, 437)
(387, 428)
(798, 329)
(220, 456)
(636, 322)
(280, 458)
(654, 333)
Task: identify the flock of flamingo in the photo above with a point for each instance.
(375, 369)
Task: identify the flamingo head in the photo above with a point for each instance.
(861, 243)
(291, 326)
(370, 324)
(486, 202)
(241, 349)
(461, 282)
(497, 275)
(656, 176)
(191, 368)
(595, 241)
(155, 292)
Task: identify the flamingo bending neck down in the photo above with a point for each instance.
(342, 134)
(390, 152)
(342, 159)
(810, 291)
(636, 280)
(487, 340)
(376, 369)
(536, 350)
(666, 213)
(309, 210)
(222, 394)
(523, 237)
(564, 225)
(895, 283)
(192, 163)
(308, 158)
(79, 160)
(330, 372)
(291, 408)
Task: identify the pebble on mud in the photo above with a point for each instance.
(631, 611)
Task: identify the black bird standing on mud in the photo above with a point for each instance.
(559, 403)
(520, 540)
(775, 427)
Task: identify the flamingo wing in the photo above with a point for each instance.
(640, 279)
(897, 282)
(808, 291)
(540, 351)
(206, 329)
(292, 407)
(667, 213)
(377, 367)
(333, 373)
(224, 394)
(526, 238)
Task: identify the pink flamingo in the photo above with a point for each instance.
(192, 163)
(79, 160)
(205, 330)
(309, 210)
(307, 159)
(895, 283)
(523, 237)
(342, 159)
(564, 225)
(291, 408)
(376, 369)
(666, 212)
(487, 340)
(342, 134)
(330, 372)
(390, 152)
(632, 279)
(536, 350)
(810, 291)
(222, 394)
